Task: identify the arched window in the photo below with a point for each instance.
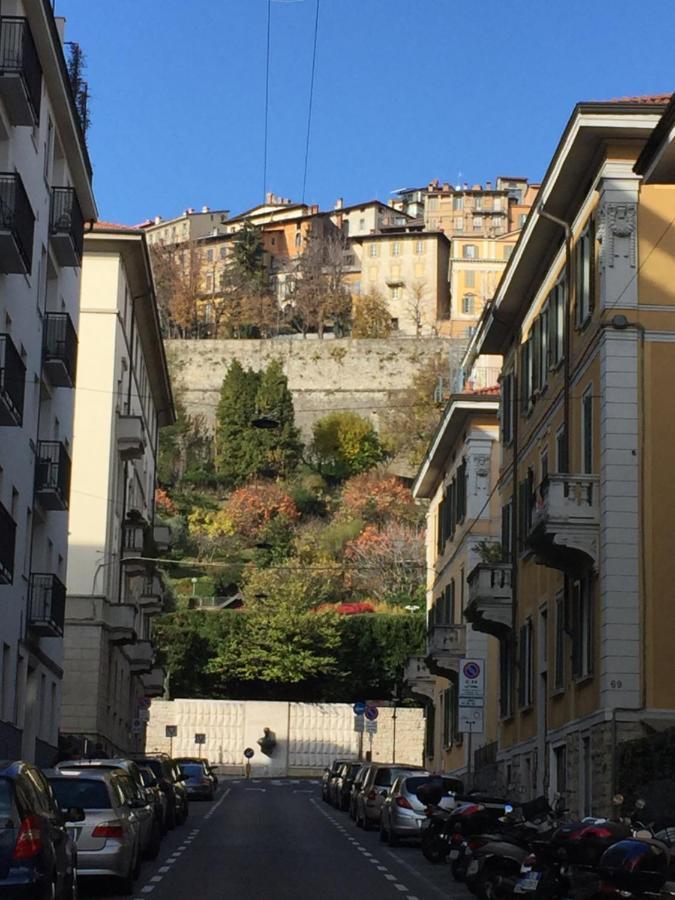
(298, 240)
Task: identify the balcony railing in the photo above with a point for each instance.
(59, 349)
(47, 605)
(12, 382)
(20, 71)
(489, 608)
(140, 655)
(130, 437)
(135, 544)
(7, 546)
(418, 677)
(446, 645)
(17, 225)
(153, 682)
(66, 226)
(565, 522)
(162, 537)
(52, 475)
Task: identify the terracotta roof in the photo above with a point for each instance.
(113, 226)
(495, 389)
(645, 99)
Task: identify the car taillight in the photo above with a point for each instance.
(108, 830)
(457, 837)
(29, 840)
(530, 860)
(591, 831)
(372, 794)
(403, 802)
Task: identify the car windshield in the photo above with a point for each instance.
(155, 767)
(386, 777)
(353, 771)
(192, 769)
(80, 792)
(147, 777)
(411, 784)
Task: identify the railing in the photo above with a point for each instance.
(59, 343)
(66, 218)
(16, 215)
(571, 497)
(18, 56)
(446, 639)
(207, 602)
(52, 474)
(477, 379)
(47, 605)
(133, 538)
(12, 382)
(7, 545)
(490, 576)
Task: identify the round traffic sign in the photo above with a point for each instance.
(359, 707)
(372, 712)
(472, 670)
(249, 752)
(144, 702)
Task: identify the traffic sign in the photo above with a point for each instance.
(136, 726)
(200, 739)
(371, 713)
(359, 724)
(144, 714)
(359, 707)
(171, 731)
(471, 702)
(144, 702)
(471, 719)
(249, 753)
(471, 679)
(371, 727)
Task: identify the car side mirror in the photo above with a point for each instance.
(74, 814)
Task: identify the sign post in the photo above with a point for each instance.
(171, 731)
(249, 753)
(471, 703)
(200, 739)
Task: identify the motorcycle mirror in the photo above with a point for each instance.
(617, 799)
(640, 803)
(508, 808)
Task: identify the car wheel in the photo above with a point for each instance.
(152, 850)
(71, 889)
(383, 834)
(126, 884)
(393, 838)
(136, 870)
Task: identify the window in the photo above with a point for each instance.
(459, 223)
(543, 463)
(507, 517)
(433, 203)
(543, 347)
(450, 716)
(582, 627)
(468, 304)
(556, 324)
(298, 240)
(560, 770)
(461, 491)
(522, 218)
(584, 265)
(478, 202)
(419, 248)
(560, 450)
(536, 355)
(362, 224)
(396, 248)
(457, 202)
(559, 668)
(507, 250)
(477, 223)
(587, 431)
(526, 375)
(469, 251)
(222, 252)
(470, 279)
(525, 507)
(525, 657)
(209, 255)
(505, 678)
(396, 293)
(507, 408)
(497, 204)
(374, 250)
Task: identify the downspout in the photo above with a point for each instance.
(126, 462)
(515, 522)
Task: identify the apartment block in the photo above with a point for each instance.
(114, 589)
(45, 200)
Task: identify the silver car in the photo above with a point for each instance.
(108, 840)
(403, 813)
(375, 787)
(135, 794)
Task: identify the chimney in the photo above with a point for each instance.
(205, 209)
(158, 219)
(488, 185)
(339, 203)
(314, 209)
(269, 197)
(466, 185)
(446, 186)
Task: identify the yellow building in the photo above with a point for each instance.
(458, 476)
(584, 318)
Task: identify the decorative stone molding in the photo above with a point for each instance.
(617, 233)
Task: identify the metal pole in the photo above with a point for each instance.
(468, 762)
(393, 738)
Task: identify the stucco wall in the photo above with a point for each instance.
(328, 375)
(309, 735)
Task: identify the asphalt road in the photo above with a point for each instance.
(277, 840)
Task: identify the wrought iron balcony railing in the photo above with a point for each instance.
(52, 475)
(12, 382)
(17, 225)
(59, 349)
(47, 605)
(66, 226)
(20, 71)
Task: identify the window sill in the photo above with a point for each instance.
(525, 710)
(582, 680)
(557, 693)
(506, 719)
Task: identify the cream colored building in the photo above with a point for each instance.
(122, 399)
(191, 225)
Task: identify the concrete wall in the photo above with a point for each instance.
(309, 735)
(360, 375)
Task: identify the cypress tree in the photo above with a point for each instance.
(280, 447)
(238, 448)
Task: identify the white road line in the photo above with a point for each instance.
(156, 879)
(164, 869)
(383, 868)
(262, 790)
(148, 889)
(416, 874)
(401, 887)
(411, 897)
(389, 876)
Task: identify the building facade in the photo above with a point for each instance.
(45, 199)
(458, 477)
(113, 591)
(583, 318)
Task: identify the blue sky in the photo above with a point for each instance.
(406, 90)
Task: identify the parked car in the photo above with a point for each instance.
(210, 770)
(328, 775)
(137, 797)
(159, 800)
(170, 780)
(38, 857)
(403, 814)
(197, 780)
(375, 787)
(356, 787)
(341, 785)
(108, 838)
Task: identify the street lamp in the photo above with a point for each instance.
(412, 607)
(194, 585)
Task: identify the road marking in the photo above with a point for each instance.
(156, 879)
(183, 847)
(365, 853)
(411, 897)
(401, 887)
(383, 868)
(262, 790)
(148, 889)
(416, 874)
(164, 869)
(390, 877)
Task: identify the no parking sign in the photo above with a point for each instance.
(471, 679)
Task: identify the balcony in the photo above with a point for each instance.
(20, 71)
(565, 523)
(161, 535)
(7, 545)
(17, 225)
(141, 656)
(46, 605)
(66, 227)
(119, 622)
(446, 645)
(153, 682)
(134, 542)
(490, 599)
(52, 475)
(130, 437)
(151, 598)
(418, 678)
(59, 349)
(12, 382)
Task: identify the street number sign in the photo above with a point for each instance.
(371, 713)
(136, 726)
(359, 707)
(249, 753)
(144, 702)
(171, 731)
(200, 739)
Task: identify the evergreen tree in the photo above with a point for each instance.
(247, 256)
(239, 452)
(280, 446)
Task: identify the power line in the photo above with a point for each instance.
(267, 97)
(311, 99)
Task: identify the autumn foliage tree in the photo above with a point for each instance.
(388, 562)
(377, 497)
(345, 444)
(371, 317)
(251, 508)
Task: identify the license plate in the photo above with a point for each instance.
(472, 868)
(454, 854)
(528, 883)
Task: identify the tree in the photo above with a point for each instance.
(418, 308)
(345, 444)
(280, 446)
(177, 272)
(389, 562)
(238, 453)
(377, 497)
(76, 65)
(319, 297)
(184, 449)
(251, 508)
(371, 316)
(248, 260)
